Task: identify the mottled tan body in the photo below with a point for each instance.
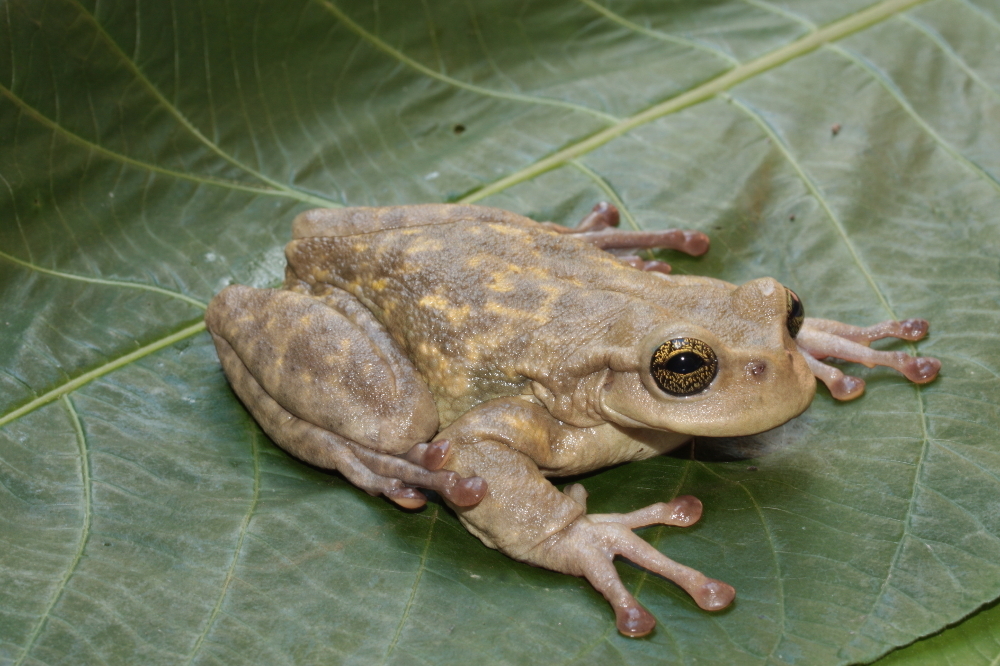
(476, 352)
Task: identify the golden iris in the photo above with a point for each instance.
(684, 366)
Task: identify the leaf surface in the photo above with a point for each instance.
(155, 152)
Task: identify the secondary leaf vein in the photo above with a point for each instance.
(656, 34)
(413, 590)
(81, 441)
(444, 78)
(890, 87)
(103, 281)
(180, 117)
(244, 528)
(100, 371)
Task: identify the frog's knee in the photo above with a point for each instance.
(325, 368)
(229, 306)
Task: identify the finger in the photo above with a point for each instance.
(408, 498)
(908, 329)
(461, 492)
(710, 594)
(820, 344)
(630, 617)
(690, 242)
(681, 512)
(602, 216)
(653, 265)
(577, 493)
(429, 455)
(464, 492)
(841, 386)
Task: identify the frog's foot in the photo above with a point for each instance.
(432, 456)
(600, 228)
(398, 471)
(588, 546)
(822, 338)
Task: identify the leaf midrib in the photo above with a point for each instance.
(830, 33)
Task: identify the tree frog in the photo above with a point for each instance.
(477, 353)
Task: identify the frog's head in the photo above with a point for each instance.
(726, 364)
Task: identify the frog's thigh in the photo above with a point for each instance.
(340, 372)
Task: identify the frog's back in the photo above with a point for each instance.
(468, 291)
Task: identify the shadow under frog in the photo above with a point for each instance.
(475, 352)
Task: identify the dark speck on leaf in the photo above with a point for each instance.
(458, 129)
(752, 468)
(791, 218)
(835, 129)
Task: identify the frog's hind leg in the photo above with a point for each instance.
(822, 338)
(353, 400)
(600, 227)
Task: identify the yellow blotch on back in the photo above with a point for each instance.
(425, 245)
(458, 315)
(502, 282)
(513, 314)
(434, 301)
(454, 314)
(508, 229)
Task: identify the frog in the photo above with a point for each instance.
(479, 354)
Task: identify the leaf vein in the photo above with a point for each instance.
(768, 7)
(244, 529)
(444, 78)
(413, 590)
(205, 180)
(57, 594)
(87, 377)
(890, 87)
(656, 34)
(948, 50)
(837, 30)
(176, 113)
(602, 183)
(103, 281)
(778, 580)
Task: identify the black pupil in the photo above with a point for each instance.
(796, 308)
(685, 363)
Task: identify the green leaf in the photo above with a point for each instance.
(151, 153)
(974, 642)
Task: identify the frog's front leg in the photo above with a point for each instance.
(510, 442)
(326, 382)
(822, 338)
(600, 228)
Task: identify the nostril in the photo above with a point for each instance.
(756, 369)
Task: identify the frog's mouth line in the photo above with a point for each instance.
(617, 417)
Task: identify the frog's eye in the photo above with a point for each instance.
(796, 313)
(683, 366)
